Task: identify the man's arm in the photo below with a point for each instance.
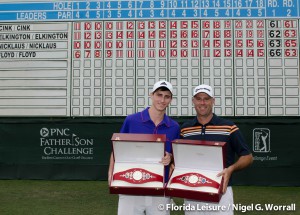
(110, 168)
(243, 162)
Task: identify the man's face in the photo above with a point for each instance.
(161, 99)
(203, 104)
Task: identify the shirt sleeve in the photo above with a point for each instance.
(239, 144)
(178, 133)
(175, 136)
(125, 126)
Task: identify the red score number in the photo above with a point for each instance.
(290, 53)
(290, 43)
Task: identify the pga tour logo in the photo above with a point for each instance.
(261, 140)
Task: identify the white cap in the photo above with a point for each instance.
(165, 84)
(203, 88)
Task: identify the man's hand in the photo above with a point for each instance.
(226, 173)
(166, 160)
(243, 162)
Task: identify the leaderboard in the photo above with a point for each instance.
(101, 58)
(146, 9)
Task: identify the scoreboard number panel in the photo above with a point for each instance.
(101, 57)
(119, 68)
(283, 64)
(87, 46)
(217, 63)
(250, 68)
(184, 64)
(151, 58)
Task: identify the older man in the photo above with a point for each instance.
(208, 126)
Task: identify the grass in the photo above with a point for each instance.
(34, 197)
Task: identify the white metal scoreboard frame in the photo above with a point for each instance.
(101, 58)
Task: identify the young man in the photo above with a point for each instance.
(208, 126)
(152, 120)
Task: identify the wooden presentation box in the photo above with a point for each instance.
(197, 164)
(137, 169)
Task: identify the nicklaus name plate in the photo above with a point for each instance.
(137, 169)
(197, 164)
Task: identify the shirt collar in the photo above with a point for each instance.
(213, 120)
(146, 117)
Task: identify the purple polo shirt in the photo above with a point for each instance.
(141, 123)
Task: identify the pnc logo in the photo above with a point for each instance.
(55, 132)
(44, 132)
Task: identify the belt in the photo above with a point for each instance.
(195, 180)
(137, 176)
